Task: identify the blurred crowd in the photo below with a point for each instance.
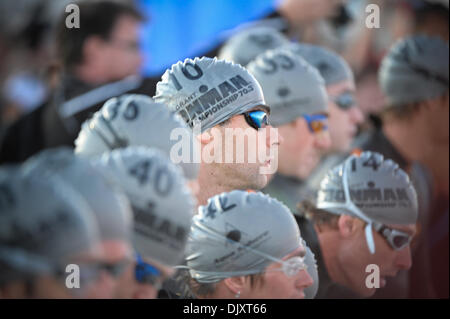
(357, 117)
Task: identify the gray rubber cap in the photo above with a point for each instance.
(208, 91)
(332, 67)
(415, 70)
(291, 86)
(162, 203)
(134, 119)
(245, 45)
(108, 203)
(44, 223)
(377, 186)
(232, 233)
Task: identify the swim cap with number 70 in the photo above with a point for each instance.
(209, 91)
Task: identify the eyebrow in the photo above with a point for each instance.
(261, 107)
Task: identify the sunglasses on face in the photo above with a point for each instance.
(147, 274)
(257, 119)
(344, 101)
(396, 238)
(292, 266)
(316, 123)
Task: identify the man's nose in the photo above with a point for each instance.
(273, 136)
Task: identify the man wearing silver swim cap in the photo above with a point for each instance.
(344, 114)
(216, 97)
(45, 226)
(162, 207)
(414, 78)
(365, 215)
(298, 99)
(296, 93)
(410, 130)
(245, 245)
(108, 203)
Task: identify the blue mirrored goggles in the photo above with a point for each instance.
(316, 123)
(344, 101)
(146, 273)
(257, 119)
(90, 271)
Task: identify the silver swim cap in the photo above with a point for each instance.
(108, 203)
(291, 86)
(44, 223)
(370, 188)
(239, 233)
(415, 70)
(162, 204)
(208, 91)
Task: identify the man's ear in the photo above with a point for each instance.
(235, 284)
(347, 226)
(205, 138)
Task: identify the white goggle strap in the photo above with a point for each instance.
(213, 234)
(368, 230)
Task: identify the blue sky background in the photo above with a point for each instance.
(186, 28)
